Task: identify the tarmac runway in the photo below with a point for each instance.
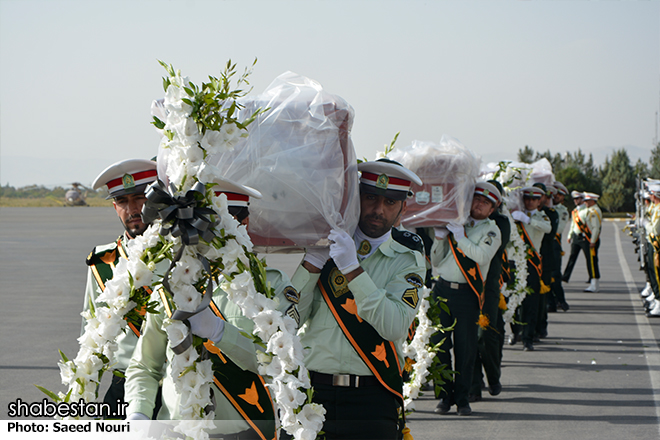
(596, 376)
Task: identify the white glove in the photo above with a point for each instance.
(342, 251)
(520, 216)
(137, 416)
(206, 325)
(317, 257)
(441, 232)
(457, 230)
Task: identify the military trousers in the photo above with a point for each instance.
(591, 254)
(652, 270)
(577, 246)
(529, 309)
(558, 295)
(462, 340)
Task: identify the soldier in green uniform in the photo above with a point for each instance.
(591, 227)
(462, 255)
(491, 339)
(126, 181)
(575, 236)
(357, 307)
(235, 366)
(558, 297)
(548, 258)
(532, 226)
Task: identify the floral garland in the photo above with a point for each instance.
(420, 351)
(200, 122)
(516, 289)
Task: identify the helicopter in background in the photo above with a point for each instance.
(75, 196)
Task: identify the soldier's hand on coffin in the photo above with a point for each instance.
(342, 251)
(520, 216)
(206, 325)
(457, 230)
(317, 256)
(441, 232)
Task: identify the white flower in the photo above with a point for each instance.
(187, 298)
(176, 331)
(267, 323)
(312, 416)
(231, 253)
(186, 271)
(140, 272)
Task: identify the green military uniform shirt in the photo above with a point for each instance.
(389, 272)
(564, 217)
(539, 225)
(481, 241)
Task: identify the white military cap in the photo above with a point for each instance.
(237, 194)
(552, 189)
(561, 189)
(577, 195)
(591, 196)
(654, 188)
(387, 178)
(130, 176)
(489, 191)
(533, 191)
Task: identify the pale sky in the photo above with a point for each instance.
(77, 77)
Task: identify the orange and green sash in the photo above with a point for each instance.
(470, 269)
(245, 390)
(505, 275)
(534, 257)
(583, 227)
(377, 353)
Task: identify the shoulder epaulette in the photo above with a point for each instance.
(103, 253)
(409, 240)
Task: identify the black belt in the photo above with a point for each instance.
(454, 286)
(343, 380)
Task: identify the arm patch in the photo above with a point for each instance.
(415, 280)
(409, 240)
(410, 297)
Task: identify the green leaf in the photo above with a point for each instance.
(54, 397)
(158, 123)
(64, 358)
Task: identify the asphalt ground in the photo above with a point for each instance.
(596, 375)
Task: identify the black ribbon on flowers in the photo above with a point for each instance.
(181, 215)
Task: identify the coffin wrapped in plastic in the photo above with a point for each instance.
(300, 156)
(448, 171)
(542, 172)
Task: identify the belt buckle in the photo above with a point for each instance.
(341, 380)
(454, 286)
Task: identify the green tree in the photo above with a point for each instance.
(654, 171)
(618, 182)
(526, 155)
(641, 169)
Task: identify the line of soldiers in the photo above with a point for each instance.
(646, 237)
(357, 299)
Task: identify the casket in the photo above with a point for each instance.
(448, 171)
(300, 156)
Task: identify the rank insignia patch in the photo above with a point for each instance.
(292, 312)
(382, 181)
(338, 283)
(128, 181)
(292, 294)
(415, 280)
(410, 297)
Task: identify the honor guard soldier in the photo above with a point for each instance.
(652, 230)
(591, 227)
(125, 181)
(358, 306)
(564, 217)
(532, 226)
(547, 257)
(645, 214)
(491, 339)
(462, 255)
(235, 367)
(575, 236)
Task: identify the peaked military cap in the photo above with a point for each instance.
(387, 178)
(130, 176)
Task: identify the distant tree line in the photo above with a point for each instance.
(38, 192)
(615, 180)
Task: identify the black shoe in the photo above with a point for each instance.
(474, 397)
(536, 339)
(442, 407)
(464, 410)
(528, 346)
(513, 339)
(495, 389)
(543, 334)
(564, 306)
(564, 279)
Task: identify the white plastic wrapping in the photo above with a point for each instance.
(514, 178)
(542, 172)
(300, 156)
(448, 171)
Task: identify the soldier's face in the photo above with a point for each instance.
(531, 203)
(378, 214)
(481, 208)
(129, 208)
(559, 198)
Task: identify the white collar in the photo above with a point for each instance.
(370, 243)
